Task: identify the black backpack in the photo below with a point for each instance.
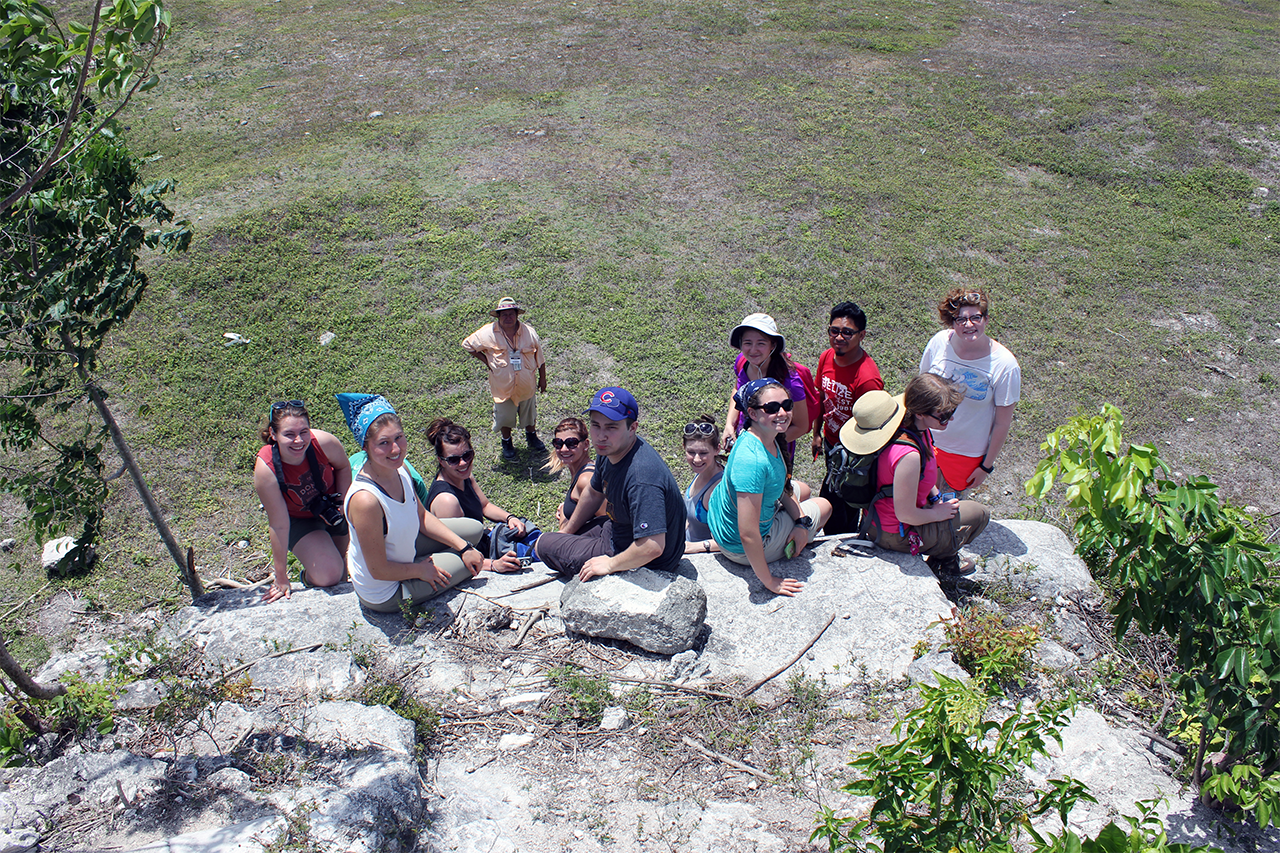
(852, 476)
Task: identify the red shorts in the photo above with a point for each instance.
(955, 469)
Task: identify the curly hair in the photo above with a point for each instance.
(958, 297)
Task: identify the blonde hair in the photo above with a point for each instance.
(555, 464)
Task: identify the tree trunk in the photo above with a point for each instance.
(26, 683)
(185, 567)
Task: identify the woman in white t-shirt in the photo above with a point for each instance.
(963, 353)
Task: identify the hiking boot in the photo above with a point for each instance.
(509, 451)
(535, 443)
(951, 567)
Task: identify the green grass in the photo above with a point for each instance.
(644, 174)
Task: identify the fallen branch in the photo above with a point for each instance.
(534, 585)
(244, 666)
(714, 694)
(1179, 748)
(770, 677)
(528, 623)
(736, 765)
(17, 607)
(496, 604)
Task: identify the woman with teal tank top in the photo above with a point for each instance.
(754, 516)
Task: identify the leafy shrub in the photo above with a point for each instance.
(951, 777)
(585, 696)
(1190, 567)
(986, 647)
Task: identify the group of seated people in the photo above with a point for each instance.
(401, 541)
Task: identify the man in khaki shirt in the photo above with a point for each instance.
(511, 352)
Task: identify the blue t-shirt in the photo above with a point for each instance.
(752, 470)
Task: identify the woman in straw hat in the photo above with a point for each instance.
(911, 516)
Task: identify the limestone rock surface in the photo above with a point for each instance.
(653, 610)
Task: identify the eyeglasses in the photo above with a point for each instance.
(287, 404)
(945, 417)
(773, 407)
(570, 443)
(842, 332)
(703, 428)
(458, 460)
(967, 319)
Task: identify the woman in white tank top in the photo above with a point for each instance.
(399, 552)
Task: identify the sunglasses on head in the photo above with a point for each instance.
(570, 443)
(458, 460)
(842, 332)
(703, 428)
(773, 407)
(287, 404)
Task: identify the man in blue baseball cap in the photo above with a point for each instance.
(646, 507)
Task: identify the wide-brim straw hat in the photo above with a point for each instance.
(506, 303)
(876, 417)
(761, 323)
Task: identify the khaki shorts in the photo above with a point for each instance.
(509, 414)
(775, 541)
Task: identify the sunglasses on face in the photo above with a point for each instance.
(570, 443)
(700, 429)
(772, 408)
(458, 460)
(842, 332)
(945, 417)
(287, 404)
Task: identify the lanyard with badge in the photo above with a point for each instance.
(516, 360)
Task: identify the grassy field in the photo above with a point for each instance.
(643, 174)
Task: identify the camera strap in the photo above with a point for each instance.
(317, 476)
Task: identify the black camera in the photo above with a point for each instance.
(328, 509)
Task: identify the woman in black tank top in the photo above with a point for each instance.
(454, 493)
(572, 452)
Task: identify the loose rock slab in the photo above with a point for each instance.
(652, 610)
(1032, 556)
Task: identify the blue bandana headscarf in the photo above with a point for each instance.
(746, 392)
(361, 410)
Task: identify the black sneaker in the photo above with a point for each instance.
(535, 443)
(509, 451)
(952, 567)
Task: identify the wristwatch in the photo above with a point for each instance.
(804, 521)
(985, 468)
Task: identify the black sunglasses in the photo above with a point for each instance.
(458, 460)
(703, 428)
(945, 418)
(773, 407)
(287, 404)
(570, 443)
(842, 332)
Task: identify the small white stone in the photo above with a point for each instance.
(1261, 192)
(515, 741)
(327, 338)
(615, 717)
(376, 114)
(523, 701)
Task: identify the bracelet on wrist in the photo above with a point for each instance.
(985, 468)
(509, 517)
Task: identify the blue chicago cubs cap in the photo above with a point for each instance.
(615, 404)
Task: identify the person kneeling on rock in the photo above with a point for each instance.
(646, 508)
(910, 515)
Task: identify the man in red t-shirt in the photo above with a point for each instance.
(845, 372)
